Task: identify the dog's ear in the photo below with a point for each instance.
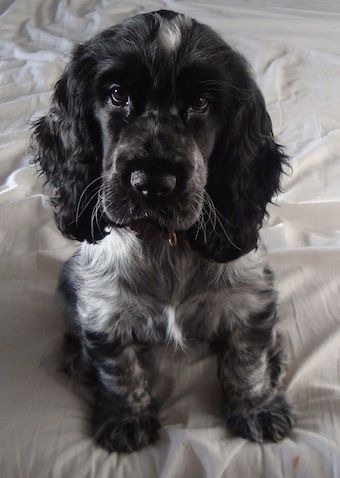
(243, 175)
(65, 148)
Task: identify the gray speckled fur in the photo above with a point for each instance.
(126, 285)
(127, 292)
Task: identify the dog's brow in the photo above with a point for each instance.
(196, 77)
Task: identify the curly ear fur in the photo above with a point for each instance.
(66, 149)
(244, 174)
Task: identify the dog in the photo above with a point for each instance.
(161, 160)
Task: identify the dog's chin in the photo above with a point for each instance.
(152, 217)
(149, 224)
(156, 223)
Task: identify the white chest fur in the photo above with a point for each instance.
(124, 289)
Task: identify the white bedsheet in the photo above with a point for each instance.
(295, 52)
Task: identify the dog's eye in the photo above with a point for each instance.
(119, 97)
(199, 105)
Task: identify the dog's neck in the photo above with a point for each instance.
(154, 230)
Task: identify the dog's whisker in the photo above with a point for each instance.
(212, 210)
(97, 208)
(77, 215)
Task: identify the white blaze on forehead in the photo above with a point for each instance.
(169, 33)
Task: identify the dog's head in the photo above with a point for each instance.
(158, 120)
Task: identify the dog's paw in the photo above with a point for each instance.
(270, 421)
(125, 432)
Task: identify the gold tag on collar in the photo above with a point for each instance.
(172, 239)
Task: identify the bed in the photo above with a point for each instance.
(294, 48)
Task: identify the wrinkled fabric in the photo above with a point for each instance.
(295, 54)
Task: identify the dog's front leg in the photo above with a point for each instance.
(249, 367)
(125, 415)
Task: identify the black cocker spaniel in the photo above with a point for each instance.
(160, 156)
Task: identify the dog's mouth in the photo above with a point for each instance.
(141, 217)
(151, 223)
(153, 220)
(149, 228)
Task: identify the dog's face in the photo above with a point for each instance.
(157, 120)
(158, 105)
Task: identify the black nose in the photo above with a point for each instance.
(152, 184)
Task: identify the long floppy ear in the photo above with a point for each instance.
(244, 174)
(66, 149)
